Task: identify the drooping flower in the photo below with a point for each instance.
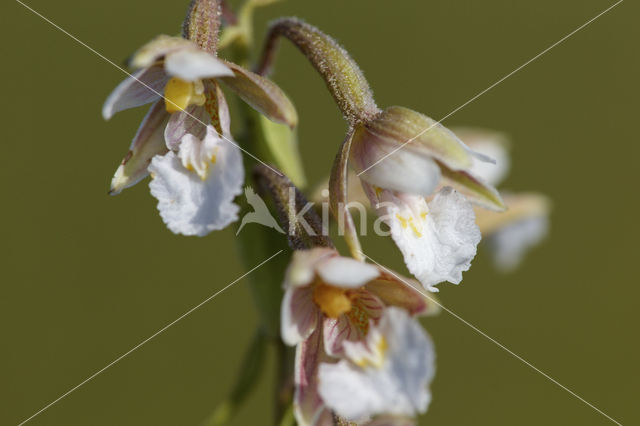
(346, 292)
(329, 301)
(436, 234)
(388, 373)
(184, 141)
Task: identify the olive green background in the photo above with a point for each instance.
(85, 276)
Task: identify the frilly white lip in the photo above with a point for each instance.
(437, 239)
(388, 374)
(190, 205)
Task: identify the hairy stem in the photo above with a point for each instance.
(341, 74)
(202, 24)
(296, 217)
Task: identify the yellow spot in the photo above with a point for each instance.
(378, 191)
(377, 356)
(403, 221)
(409, 223)
(423, 215)
(414, 228)
(179, 94)
(331, 300)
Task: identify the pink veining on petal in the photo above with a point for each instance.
(353, 326)
(309, 354)
(394, 292)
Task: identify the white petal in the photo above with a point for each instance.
(194, 64)
(437, 241)
(509, 244)
(346, 272)
(192, 206)
(302, 268)
(157, 48)
(399, 386)
(386, 166)
(299, 315)
(143, 87)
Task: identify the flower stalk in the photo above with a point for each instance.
(202, 24)
(343, 77)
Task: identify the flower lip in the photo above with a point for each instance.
(389, 373)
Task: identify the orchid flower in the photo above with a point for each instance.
(388, 373)
(184, 142)
(330, 301)
(401, 157)
(340, 295)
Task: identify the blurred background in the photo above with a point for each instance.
(86, 276)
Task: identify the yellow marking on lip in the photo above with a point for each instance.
(378, 355)
(179, 94)
(414, 228)
(403, 221)
(409, 223)
(331, 300)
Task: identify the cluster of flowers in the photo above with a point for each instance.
(361, 354)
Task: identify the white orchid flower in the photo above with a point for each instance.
(184, 141)
(437, 234)
(330, 300)
(341, 295)
(388, 374)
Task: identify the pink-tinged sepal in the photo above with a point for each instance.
(309, 409)
(261, 94)
(142, 87)
(406, 293)
(398, 126)
(338, 201)
(148, 142)
(299, 316)
(474, 188)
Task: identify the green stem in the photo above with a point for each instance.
(343, 77)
